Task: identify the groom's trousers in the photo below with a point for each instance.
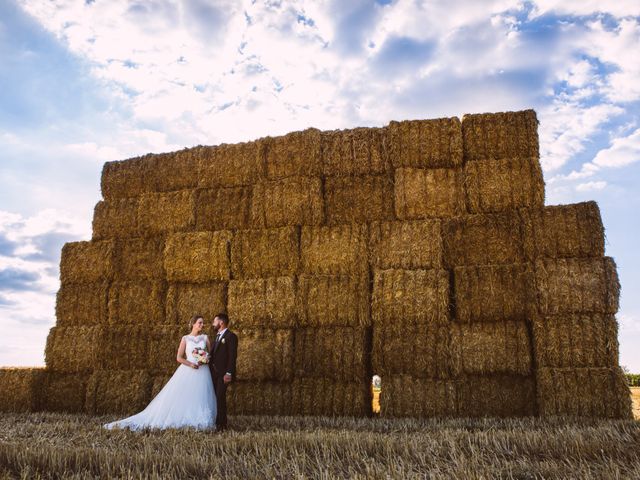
(221, 399)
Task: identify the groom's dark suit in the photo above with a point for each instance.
(223, 361)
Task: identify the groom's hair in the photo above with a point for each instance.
(224, 317)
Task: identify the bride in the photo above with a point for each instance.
(188, 398)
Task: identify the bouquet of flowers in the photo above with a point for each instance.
(201, 355)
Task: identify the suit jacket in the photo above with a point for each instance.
(223, 355)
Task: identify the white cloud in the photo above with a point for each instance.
(623, 151)
(590, 186)
(618, 8)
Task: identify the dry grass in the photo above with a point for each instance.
(635, 398)
(69, 446)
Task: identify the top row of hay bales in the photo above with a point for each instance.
(425, 167)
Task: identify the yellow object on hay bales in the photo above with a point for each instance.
(421, 251)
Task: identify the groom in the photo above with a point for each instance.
(223, 365)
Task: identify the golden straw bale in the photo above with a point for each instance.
(118, 392)
(175, 170)
(500, 135)
(333, 300)
(575, 285)
(259, 398)
(576, 340)
(124, 348)
(197, 257)
(410, 297)
(64, 392)
(425, 193)
(84, 262)
(82, 304)
(359, 199)
(406, 396)
(162, 347)
(408, 244)
(339, 353)
(326, 397)
(115, 218)
(423, 350)
(425, 143)
(265, 253)
(159, 381)
(289, 201)
(503, 184)
(73, 349)
(223, 208)
(265, 354)
(588, 392)
(136, 302)
(20, 389)
(487, 293)
(563, 231)
(359, 151)
(232, 165)
(263, 302)
(334, 250)
(489, 348)
(496, 396)
(167, 212)
(187, 299)
(127, 178)
(139, 259)
(486, 239)
(296, 153)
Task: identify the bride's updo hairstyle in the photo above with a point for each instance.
(193, 320)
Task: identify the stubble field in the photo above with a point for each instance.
(48, 445)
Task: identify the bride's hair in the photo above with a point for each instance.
(193, 320)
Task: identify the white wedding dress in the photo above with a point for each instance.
(187, 400)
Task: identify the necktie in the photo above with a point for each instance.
(217, 338)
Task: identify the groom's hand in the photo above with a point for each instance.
(227, 378)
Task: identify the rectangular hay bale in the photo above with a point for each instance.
(166, 212)
(358, 151)
(64, 392)
(20, 389)
(576, 340)
(265, 253)
(84, 262)
(427, 193)
(326, 397)
(265, 353)
(139, 259)
(136, 302)
(187, 299)
(73, 349)
(175, 170)
(124, 348)
(162, 342)
(407, 245)
(489, 293)
(259, 398)
(358, 199)
(496, 396)
(118, 392)
(577, 285)
(263, 302)
(82, 304)
(585, 392)
(232, 165)
(490, 348)
(503, 184)
(486, 239)
(432, 143)
(116, 218)
(289, 201)
(296, 153)
(500, 135)
(333, 300)
(198, 257)
(339, 353)
(422, 351)
(406, 396)
(334, 250)
(223, 208)
(563, 231)
(127, 178)
(410, 297)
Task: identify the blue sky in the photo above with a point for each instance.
(83, 82)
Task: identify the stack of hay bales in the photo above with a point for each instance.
(421, 252)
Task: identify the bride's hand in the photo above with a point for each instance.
(195, 365)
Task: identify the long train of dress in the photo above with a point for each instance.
(187, 400)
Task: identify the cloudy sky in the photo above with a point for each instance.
(82, 82)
